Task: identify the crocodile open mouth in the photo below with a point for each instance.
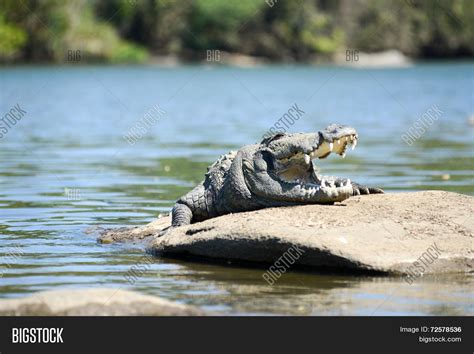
(338, 146)
(299, 167)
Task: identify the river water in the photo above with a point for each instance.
(66, 167)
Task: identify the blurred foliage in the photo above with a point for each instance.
(296, 30)
(419, 28)
(215, 24)
(12, 38)
(290, 30)
(48, 29)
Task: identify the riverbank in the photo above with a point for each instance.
(350, 58)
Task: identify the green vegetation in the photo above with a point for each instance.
(47, 30)
(11, 38)
(290, 30)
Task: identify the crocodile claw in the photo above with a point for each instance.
(359, 189)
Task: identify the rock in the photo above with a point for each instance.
(166, 61)
(384, 233)
(221, 57)
(134, 234)
(241, 60)
(94, 302)
(387, 59)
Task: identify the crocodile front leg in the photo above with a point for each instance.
(180, 215)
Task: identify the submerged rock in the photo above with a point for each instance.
(399, 233)
(134, 234)
(94, 302)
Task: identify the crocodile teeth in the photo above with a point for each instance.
(307, 159)
(348, 183)
(343, 154)
(331, 146)
(354, 144)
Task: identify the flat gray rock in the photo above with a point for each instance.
(397, 233)
(93, 302)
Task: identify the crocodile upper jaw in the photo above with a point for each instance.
(300, 169)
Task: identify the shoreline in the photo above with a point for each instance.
(383, 60)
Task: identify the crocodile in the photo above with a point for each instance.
(279, 171)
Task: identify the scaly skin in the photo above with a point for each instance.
(277, 172)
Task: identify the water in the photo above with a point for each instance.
(66, 167)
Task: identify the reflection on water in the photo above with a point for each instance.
(244, 291)
(66, 166)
